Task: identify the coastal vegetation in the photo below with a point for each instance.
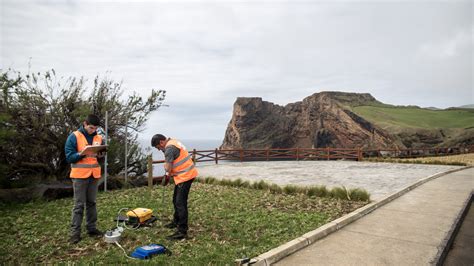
(415, 117)
(460, 159)
(226, 223)
(39, 110)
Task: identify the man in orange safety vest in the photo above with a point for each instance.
(85, 172)
(180, 166)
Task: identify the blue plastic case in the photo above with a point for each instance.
(148, 251)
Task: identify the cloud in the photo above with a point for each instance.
(451, 47)
(206, 54)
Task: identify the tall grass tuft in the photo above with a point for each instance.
(425, 160)
(355, 194)
(290, 189)
(340, 193)
(237, 182)
(245, 184)
(226, 182)
(274, 188)
(206, 180)
(317, 191)
(359, 194)
(261, 185)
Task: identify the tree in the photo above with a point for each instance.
(39, 111)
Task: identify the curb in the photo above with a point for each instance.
(305, 240)
(448, 241)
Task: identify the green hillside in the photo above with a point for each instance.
(413, 117)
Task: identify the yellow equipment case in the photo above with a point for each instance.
(139, 215)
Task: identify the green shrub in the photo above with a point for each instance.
(317, 191)
(417, 161)
(356, 194)
(212, 180)
(260, 185)
(359, 194)
(290, 189)
(245, 184)
(226, 182)
(237, 182)
(274, 188)
(340, 193)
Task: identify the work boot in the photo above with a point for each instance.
(171, 225)
(177, 236)
(75, 238)
(95, 233)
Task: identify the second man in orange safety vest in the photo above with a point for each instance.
(180, 166)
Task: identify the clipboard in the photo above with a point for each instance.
(94, 149)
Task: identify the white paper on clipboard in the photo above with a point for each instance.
(92, 150)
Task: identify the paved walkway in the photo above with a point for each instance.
(406, 231)
(462, 252)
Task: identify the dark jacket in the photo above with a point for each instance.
(72, 156)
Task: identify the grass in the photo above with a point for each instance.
(460, 159)
(417, 117)
(311, 191)
(226, 222)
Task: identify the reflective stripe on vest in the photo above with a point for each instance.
(182, 161)
(182, 167)
(87, 166)
(76, 165)
(186, 170)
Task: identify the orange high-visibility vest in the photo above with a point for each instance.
(182, 168)
(87, 166)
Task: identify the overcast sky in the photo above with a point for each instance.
(207, 53)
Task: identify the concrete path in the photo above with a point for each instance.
(462, 252)
(409, 230)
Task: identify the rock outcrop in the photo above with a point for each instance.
(320, 120)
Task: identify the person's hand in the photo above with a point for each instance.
(165, 180)
(101, 154)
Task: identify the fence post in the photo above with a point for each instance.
(329, 152)
(150, 171)
(217, 158)
(268, 154)
(241, 155)
(359, 154)
(194, 155)
(297, 154)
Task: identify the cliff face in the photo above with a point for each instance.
(320, 120)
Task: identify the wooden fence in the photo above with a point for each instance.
(241, 155)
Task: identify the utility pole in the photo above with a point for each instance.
(105, 163)
(126, 149)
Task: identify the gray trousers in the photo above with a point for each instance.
(85, 194)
